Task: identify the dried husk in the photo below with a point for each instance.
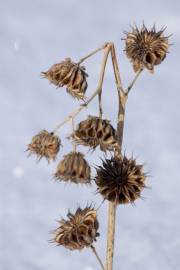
(120, 180)
(45, 144)
(79, 230)
(70, 74)
(74, 168)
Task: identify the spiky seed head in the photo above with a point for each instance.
(95, 131)
(79, 230)
(70, 74)
(74, 168)
(45, 144)
(120, 180)
(146, 48)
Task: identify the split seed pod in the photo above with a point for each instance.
(120, 180)
(146, 48)
(70, 74)
(79, 231)
(95, 131)
(74, 168)
(45, 144)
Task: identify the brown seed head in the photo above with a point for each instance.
(70, 74)
(95, 131)
(146, 48)
(79, 231)
(45, 144)
(74, 168)
(120, 180)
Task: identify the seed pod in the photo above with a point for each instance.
(74, 168)
(79, 231)
(120, 180)
(45, 144)
(95, 131)
(70, 74)
(146, 48)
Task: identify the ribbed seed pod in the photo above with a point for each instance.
(120, 180)
(146, 48)
(70, 74)
(95, 131)
(79, 231)
(45, 144)
(74, 168)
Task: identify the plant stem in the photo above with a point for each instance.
(120, 125)
(92, 53)
(97, 256)
(133, 81)
(97, 91)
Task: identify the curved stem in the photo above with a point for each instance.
(97, 256)
(97, 91)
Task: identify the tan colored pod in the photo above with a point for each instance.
(79, 230)
(146, 48)
(73, 168)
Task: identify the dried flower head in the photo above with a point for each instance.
(146, 48)
(95, 131)
(79, 231)
(74, 168)
(45, 144)
(70, 74)
(120, 180)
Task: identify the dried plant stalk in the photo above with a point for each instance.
(120, 126)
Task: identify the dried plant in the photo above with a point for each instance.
(120, 180)
(95, 131)
(74, 168)
(70, 74)
(45, 144)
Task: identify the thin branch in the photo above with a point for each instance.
(133, 82)
(97, 91)
(92, 53)
(97, 256)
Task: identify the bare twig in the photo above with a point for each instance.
(97, 256)
(97, 91)
(92, 53)
(133, 82)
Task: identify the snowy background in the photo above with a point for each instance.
(33, 36)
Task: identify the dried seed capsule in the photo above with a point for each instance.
(74, 168)
(146, 48)
(79, 231)
(120, 180)
(70, 74)
(95, 131)
(45, 144)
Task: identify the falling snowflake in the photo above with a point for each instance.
(18, 172)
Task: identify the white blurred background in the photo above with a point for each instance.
(33, 36)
